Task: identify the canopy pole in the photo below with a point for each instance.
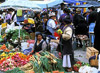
(47, 11)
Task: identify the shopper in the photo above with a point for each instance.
(63, 16)
(51, 25)
(38, 21)
(66, 40)
(92, 20)
(60, 11)
(97, 34)
(81, 27)
(8, 17)
(44, 23)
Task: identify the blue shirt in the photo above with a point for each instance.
(51, 26)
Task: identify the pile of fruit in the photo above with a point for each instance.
(4, 48)
(79, 64)
(38, 63)
(12, 60)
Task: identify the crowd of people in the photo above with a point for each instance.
(70, 22)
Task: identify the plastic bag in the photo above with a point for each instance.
(19, 12)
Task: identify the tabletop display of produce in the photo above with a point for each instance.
(38, 63)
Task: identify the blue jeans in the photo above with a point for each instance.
(91, 29)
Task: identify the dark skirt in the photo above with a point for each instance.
(67, 47)
(97, 43)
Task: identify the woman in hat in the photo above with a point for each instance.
(67, 44)
(65, 15)
(51, 25)
(40, 44)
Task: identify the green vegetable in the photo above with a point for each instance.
(15, 70)
(13, 34)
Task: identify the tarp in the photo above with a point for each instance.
(19, 3)
(89, 4)
(32, 4)
(71, 1)
(82, 6)
(50, 3)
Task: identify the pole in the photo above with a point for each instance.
(19, 44)
(47, 11)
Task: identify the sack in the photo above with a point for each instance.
(31, 21)
(19, 12)
(3, 25)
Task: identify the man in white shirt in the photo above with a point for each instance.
(60, 11)
(51, 25)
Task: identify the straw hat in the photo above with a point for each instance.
(52, 14)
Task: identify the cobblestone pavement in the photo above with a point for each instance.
(80, 55)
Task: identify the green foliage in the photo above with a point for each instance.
(46, 65)
(13, 34)
(15, 70)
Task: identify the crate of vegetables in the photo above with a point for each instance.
(91, 52)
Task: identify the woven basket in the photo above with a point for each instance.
(94, 62)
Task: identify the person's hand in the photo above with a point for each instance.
(30, 53)
(57, 27)
(60, 33)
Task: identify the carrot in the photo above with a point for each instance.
(31, 72)
(3, 47)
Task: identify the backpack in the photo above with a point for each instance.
(19, 12)
(40, 28)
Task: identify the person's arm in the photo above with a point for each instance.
(60, 19)
(58, 15)
(32, 50)
(44, 46)
(67, 34)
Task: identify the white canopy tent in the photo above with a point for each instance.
(32, 4)
(19, 4)
(50, 3)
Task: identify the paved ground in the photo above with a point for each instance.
(80, 55)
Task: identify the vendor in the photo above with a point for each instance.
(40, 44)
(67, 44)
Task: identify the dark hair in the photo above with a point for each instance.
(93, 8)
(67, 21)
(62, 4)
(66, 10)
(39, 34)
